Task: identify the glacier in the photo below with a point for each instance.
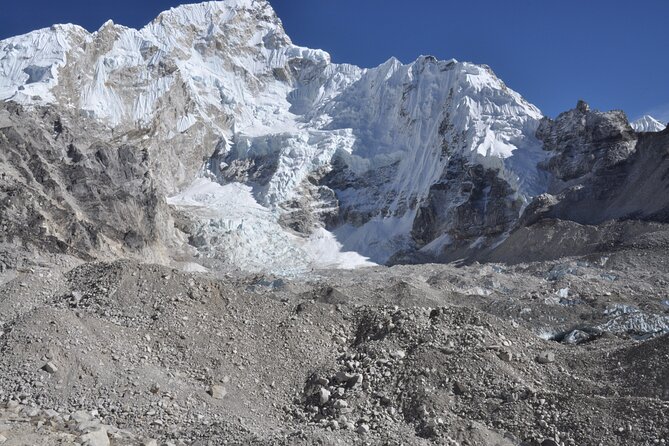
(279, 154)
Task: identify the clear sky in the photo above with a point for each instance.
(612, 53)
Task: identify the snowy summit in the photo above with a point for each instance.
(647, 123)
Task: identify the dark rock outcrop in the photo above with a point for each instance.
(583, 142)
(603, 170)
(610, 184)
(469, 202)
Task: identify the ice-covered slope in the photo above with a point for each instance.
(413, 124)
(647, 123)
(230, 226)
(30, 64)
(399, 159)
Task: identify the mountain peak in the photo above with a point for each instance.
(222, 81)
(647, 123)
(219, 12)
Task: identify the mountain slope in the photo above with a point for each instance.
(608, 190)
(603, 170)
(366, 154)
(271, 157)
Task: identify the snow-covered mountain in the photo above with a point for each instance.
(280, 159)
(647, 123)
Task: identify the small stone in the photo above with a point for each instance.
(323, 396)
(399, 354)
(340, 340)
(80, 416)
(95, 438)
(88, 426)
(50, 367)
(2, 439)
(149, 442)
(576, 337)
(217, 392)
(155, 388)
(563, 293)
(460, 388)
(31, 412)
(50, 413)
(505, 356)
(356, 380)
(334, 425)
(343, 377)
(362, 429)
(545, 357)
(340, 404)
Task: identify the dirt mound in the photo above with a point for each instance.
(147, 352)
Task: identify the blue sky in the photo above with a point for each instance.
(612, 53)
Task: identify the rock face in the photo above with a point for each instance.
(583, 142)
(608, 185)
(480, 205)
(70, 192)
(602, 170)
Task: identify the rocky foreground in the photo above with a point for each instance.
(566, 352)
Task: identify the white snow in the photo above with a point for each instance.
(29, 63)
(647, 123)
(324, 251)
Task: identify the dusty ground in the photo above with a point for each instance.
(569, 352)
